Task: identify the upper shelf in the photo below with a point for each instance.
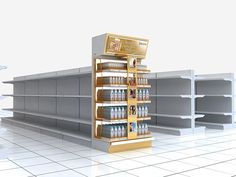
(216, 113)
(216, 77)
(178, 116)
(184, 74)
(50, 116)
(227, 96)
(172, 96)
(58, 74)
(57, 96)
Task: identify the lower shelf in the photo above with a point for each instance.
(64, 134)
(176, 130)
(219, 126)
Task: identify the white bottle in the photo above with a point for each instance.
(145, 128)
(115, 95)
(115, 132)
(119, 131)
(139, 111)
(123, 95)
(125, 112)
(143, 94)
(146, 81)
(139, 81)
(143, 111)
(139, 129)
(146, 111)
(112, 95)
(142, 129)
(122, 131)
(113, 80)
(119, 80)
(119, 95)
(122, 113)
(112, 132)
(115, 113)
(147, 94)
(119, 113)
(112, 113)
(140, 95)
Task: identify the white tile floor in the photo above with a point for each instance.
(25, 153)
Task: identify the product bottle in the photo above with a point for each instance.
(115, 113)
(122, 113)
(119, 95)
(119, 113)
(139, 111)
(112, 95)
(146, 111)
(115, 132)
(145, 128)
(147, 94)
(122, 131)
(123, 95)
(140, 95)
(112, 132)
(144, 95)
(139, 129)
(143, 111)
(122, 80)
(113, 80)
(115, 95)
(119, 80)
(112, 113)
(119, 131)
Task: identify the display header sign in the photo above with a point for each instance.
(126, 46)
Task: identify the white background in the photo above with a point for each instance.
(49, 35)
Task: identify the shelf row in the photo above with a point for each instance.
(51, 116)
(190, 96)
(72, 119)
(57, 96)
(59, 131)
(177, 116)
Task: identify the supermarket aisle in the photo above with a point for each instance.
(26, 153)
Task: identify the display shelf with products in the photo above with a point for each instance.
(218, 101)
(120, 93)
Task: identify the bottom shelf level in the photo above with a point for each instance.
(179, 131)
(218, 126)
(65, 134)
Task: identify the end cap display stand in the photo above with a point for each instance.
(119, 92)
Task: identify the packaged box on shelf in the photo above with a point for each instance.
(111, 65)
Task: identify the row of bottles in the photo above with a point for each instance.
(112, 112)
(142, 81)
(112, 95)
(142, 129)
(142, 111)
(118, 80)
(143, 94)
(114, 131)
(120, 130)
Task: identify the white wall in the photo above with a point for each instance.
(49, 35)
